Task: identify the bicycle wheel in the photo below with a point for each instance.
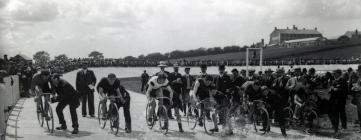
(262, 116)
(208, 123)
(192, 117)
(39, 114)
(150, 123)
(288, 114)
(315, 119)
(101, 116)
(50, 121)
(163, 119)
(114, 118)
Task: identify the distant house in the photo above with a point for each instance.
(279, 36)
(305, 42)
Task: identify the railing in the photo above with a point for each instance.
(9, 94)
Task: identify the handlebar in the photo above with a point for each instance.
(157, 98)
(43, 94)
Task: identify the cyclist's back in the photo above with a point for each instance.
(41, 80)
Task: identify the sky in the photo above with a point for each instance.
(119, 28)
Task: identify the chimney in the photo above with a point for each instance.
(315, 28)
(304, 28)
(294, 27)
(287, 28)
(275, 28)
(356, 32)
(262, 41)
(6, 57)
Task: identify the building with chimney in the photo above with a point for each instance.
(279, 36)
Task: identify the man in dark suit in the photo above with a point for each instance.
(223, 84)
(187, 81)
(144, 79)
(85, 82)
(67, 95)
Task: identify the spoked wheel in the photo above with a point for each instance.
(288, 114)
(314, 117)
(50, 121)
(192, 117)
(150, 123)
(238, 119)
(102, 117)
(163, 119)
(39, 114)
(207, 123)
(114, 118)
(261, 116)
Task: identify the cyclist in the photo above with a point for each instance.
(110, 87)
(253, 91)
(202, 91)
(41, 84)
(155, 88)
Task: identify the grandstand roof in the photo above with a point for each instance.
(298, 31)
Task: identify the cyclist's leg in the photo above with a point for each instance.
(104, 108)
(151, 109)
(46, 104)
(210, 106)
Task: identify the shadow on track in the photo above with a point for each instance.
(67, 134)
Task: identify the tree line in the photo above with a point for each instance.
(176, 54)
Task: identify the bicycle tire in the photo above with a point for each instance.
(316, 118)
(39, 114)
(192, 119)
(50, 123)
(114, 120)
(288, 116)
(102, 121)
(207, 124)
(162, 118)
(262, 111)
(151, 123)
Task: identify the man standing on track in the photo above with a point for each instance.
(144, 77)
(338, 101)
(85, 82)
(187, 81)
(67, 95)
(175, 79)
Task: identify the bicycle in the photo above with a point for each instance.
(203, 107)
(112, 114)
(161, 116)
(42, 115)
(259, 113)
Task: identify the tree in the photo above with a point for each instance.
(156, 56)
(61, 58)
(41, 58)
(96, 55)
(141, 57)
(129, 58)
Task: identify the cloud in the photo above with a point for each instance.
(3, 3)
(46, 36)
(33, 11)
(114, 26)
